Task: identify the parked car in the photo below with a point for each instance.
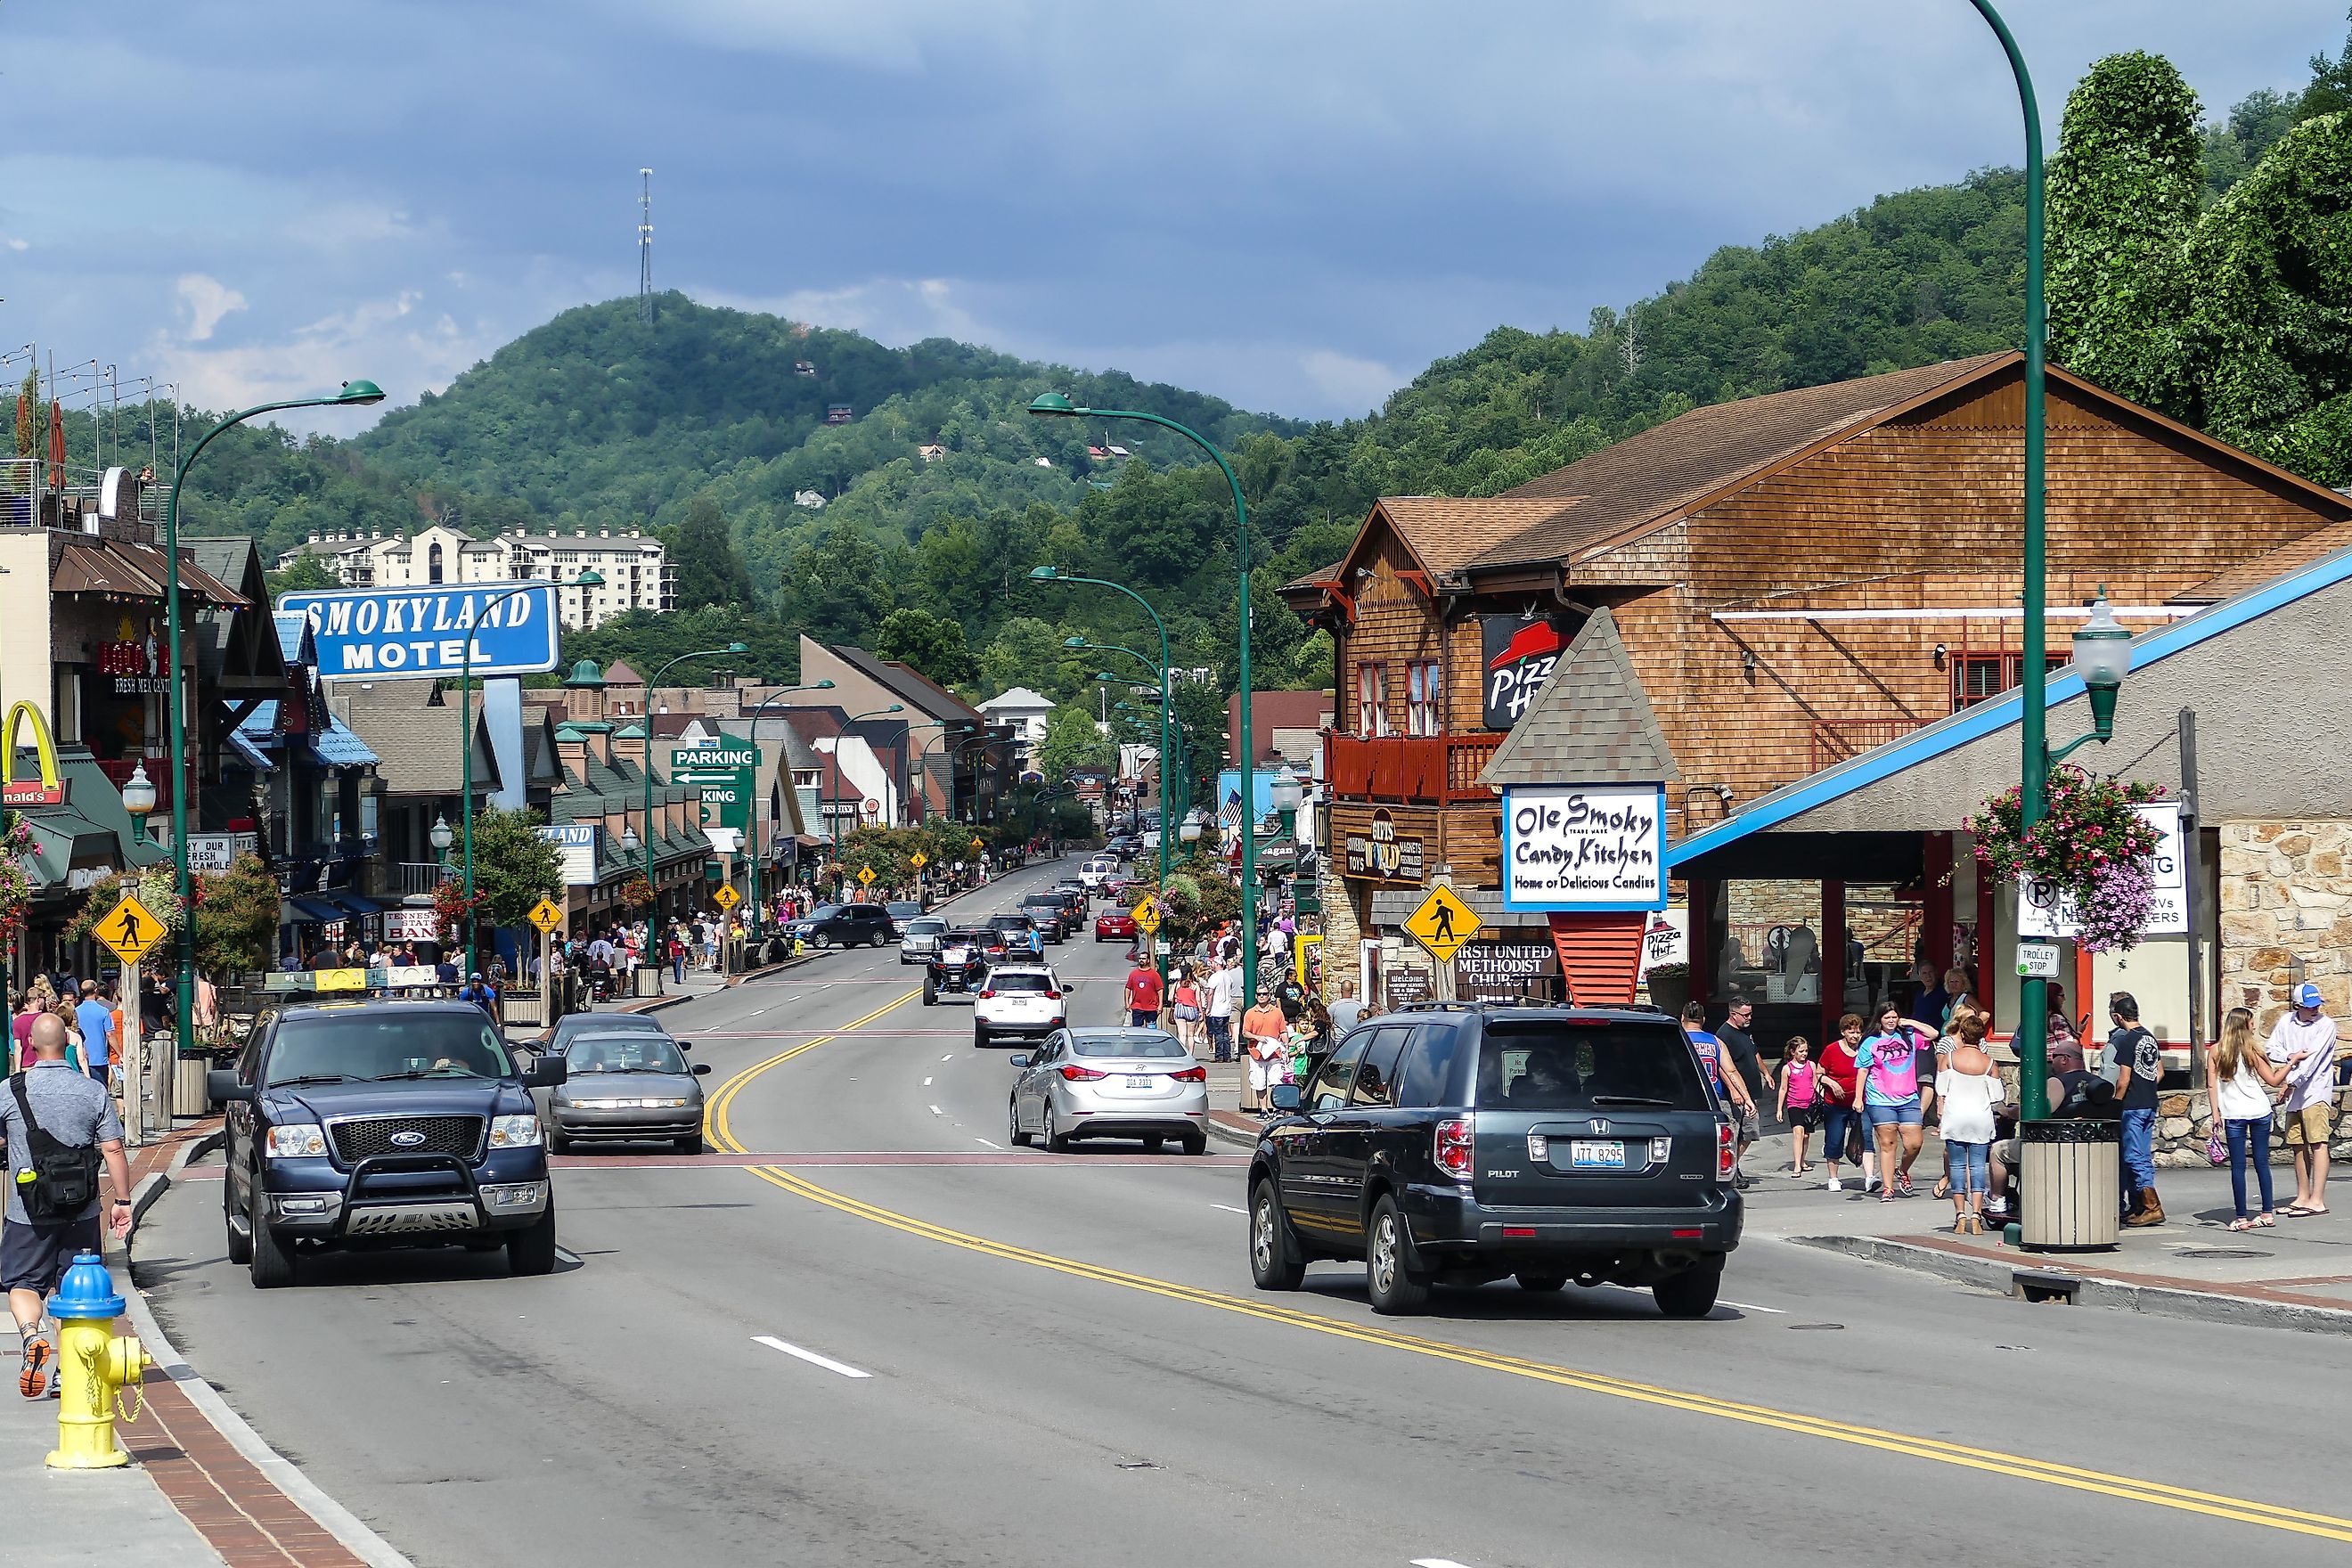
(1461, 1143)
(1115, 924)
(960, 964)
(383, 1123)
(630, 1085)
(1022, 1000)
(843, 925)
(1110, 1083)
(921, 938)
(1052, 915)
(901, 911)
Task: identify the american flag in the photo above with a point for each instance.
(1231, 816)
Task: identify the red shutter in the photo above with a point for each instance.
(1600, 954)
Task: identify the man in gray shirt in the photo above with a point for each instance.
(77, 1111)
(1346, 1011)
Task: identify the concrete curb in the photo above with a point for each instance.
(332, 1516)
(1221, 1134)
(2089, 1290)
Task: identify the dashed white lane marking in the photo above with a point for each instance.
(947, 1059)
(1436, 1563)
(927, 1083)
(997, 1147)
(937, 1111)
(1746, 1306)
(1229, 1208)
(827, 1362)
(566, 1256)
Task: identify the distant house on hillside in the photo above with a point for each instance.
(1116, 451)
(931, 451)
(839, 414)
(1043, 462)
(808, 498)
(804, 367)
(1099, 453)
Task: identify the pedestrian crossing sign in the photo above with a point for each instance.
(546, 915)
(919, 859)
(1147, 915)
(865, 876)
(130, 929)
(727, 897)
(1443, 924)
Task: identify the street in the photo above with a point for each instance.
(897, 1343)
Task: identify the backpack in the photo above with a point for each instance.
(64, 1178)
(1896, 1077)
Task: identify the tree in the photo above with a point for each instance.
(2125, 189)
(1071, 742)
(933, 645)
(236, 918)
(1029, 652)
(2234, 146)
(2330, 91)
(514, 868)
(710, 570)
(835, 588)
(308, 574)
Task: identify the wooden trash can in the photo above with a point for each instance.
(2068, 1186)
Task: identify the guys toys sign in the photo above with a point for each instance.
(1517, 656)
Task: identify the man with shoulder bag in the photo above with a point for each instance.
(61, 1126)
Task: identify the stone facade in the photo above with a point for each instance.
(2286, 895)
(2184, 1122)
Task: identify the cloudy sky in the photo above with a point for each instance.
(1293, 204)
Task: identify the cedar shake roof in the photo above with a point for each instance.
(1447, 535)
(1591, 723)
(1645, 478)
(2255, 570)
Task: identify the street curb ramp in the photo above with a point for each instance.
(332, 1517)
(2087, 1289)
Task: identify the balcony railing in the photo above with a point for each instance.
(1836, 740)
(418, 877)
(1436, 770)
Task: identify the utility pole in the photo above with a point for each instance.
(645, 247)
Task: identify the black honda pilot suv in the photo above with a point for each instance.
(1459, 1143)
(383, 1123)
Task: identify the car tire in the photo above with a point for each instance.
(930, 995)
(272, 1263)
(1196, 1143)
(240, 1247)
(1691, 1293)
(980, 1036)
(1395, 1290)
(1543, 1284)
(819, 940)
(692, 1145)
(531, 1250)
(1014, 1130)
(1153, 1144)
(1275, 1262)
(1056, 1141)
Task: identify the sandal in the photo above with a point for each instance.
(1943, 1187)
(2241, 1224)
(2264, 1222)
(32, 1380)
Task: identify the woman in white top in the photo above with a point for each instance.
(2237, 1082)
(1968, 1088)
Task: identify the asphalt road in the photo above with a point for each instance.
(988, 1357)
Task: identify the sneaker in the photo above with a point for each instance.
(1902, 1185)
(33, 1377)
(1835, 1185)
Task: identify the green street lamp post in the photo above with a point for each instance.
(590, 578)
(756, 848)
(355, 393)
(833, 807)
(1159, 670)
(1053, 405)
(983, 738)
(645, 868)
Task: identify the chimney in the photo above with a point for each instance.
(572, 749)
(604, 533)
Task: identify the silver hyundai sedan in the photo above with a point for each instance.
(632, 1084)
(1110, 1083)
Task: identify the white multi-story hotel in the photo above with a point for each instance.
(637, 572)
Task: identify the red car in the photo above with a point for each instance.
(1115, 924)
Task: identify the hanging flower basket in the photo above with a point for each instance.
(16, 881)
(636, 893)
(451, 906)
(2091, 847)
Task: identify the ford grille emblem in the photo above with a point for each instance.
(407, 1140)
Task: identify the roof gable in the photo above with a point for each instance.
(1591, 723)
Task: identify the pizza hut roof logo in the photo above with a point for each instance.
(1534, 641)
(1517, 669)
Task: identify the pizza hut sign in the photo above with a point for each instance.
(1517, 656)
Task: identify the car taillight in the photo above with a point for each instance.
(1456, 1141)
(1053, 996)
(1192, 1075)
(1081, 1075)
(988, 994)
(1726, 1150)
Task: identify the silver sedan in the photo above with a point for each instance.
(632, 1085)
(1110, 1083)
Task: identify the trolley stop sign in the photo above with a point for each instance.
(546, 915)
(130, 929)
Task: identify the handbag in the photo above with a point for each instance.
(2217, 1148)
(64, 1178)
(1854, 1146)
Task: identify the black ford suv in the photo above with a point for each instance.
(1460, 1143)
(383, 1122)
(844, 925)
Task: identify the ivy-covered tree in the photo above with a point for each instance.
(932, 644)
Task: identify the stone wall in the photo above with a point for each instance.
(2184, 1122)
(2286, 895)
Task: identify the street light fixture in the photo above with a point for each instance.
(588, 578)
(138, 799)
(442, 838)
(646, 723)
(2101, 658)
(353, 394)
(756, 845)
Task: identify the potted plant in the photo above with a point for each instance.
(2091, 851)
(1669, 985)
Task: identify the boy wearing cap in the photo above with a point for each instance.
(2310, 1095)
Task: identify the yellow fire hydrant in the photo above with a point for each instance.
(93, 1366)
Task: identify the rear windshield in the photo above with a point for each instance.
(929, 925)
(905, 908)
(387, 1043)
(1125, 1045)
(1019, 981)
(1012, 922)
(1569, 1066)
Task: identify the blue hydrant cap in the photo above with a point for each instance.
(86, 1292)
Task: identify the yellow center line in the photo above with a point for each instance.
(2155, 1494)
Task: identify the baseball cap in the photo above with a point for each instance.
(2306, 994)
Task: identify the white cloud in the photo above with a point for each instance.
(205, 300)
(1347, 382)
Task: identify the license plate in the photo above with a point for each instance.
(1596, 1154)
(1143, 1082)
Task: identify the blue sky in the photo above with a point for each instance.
(1293, 204)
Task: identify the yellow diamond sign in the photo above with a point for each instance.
(1442, 923)
(865, 876)
(727, 897)
(130, 929)
(1147, 916)
(919, 859)
(546, 915)
(976, 843)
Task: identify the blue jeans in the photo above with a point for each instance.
(1221, 1038)
(1836, 1124)
(1971, 1166)
(677, 969)
(2139, 1151)
(2249, 1140)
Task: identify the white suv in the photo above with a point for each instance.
(1097, 871)
(1022, 1000)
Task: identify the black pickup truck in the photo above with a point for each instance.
(383, 1123)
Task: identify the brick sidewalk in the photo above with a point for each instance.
(239, 1510)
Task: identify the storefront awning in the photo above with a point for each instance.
(312, 909)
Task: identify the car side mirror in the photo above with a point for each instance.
(702, 1069)
(221, 1084)
(1284, 1097)
(1019, 1059)
(546, 1073)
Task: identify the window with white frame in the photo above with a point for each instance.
(1423, 710)
(1371, 700)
